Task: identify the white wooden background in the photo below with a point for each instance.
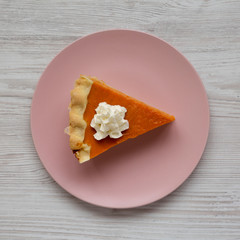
(33, 206)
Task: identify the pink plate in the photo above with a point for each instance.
(141, 170)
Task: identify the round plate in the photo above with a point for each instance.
(141, 170)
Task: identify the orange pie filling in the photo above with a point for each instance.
(88, 94)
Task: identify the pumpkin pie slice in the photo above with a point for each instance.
(101, 117)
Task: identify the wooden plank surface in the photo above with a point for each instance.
(33, 206)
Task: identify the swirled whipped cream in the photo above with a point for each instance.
(109, 121)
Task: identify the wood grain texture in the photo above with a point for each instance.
(33, 206)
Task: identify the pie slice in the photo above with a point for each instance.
(85, 98)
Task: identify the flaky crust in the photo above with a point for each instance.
(77, 125)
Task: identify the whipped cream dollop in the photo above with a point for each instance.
(109, 121)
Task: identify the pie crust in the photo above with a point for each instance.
(77, 124)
